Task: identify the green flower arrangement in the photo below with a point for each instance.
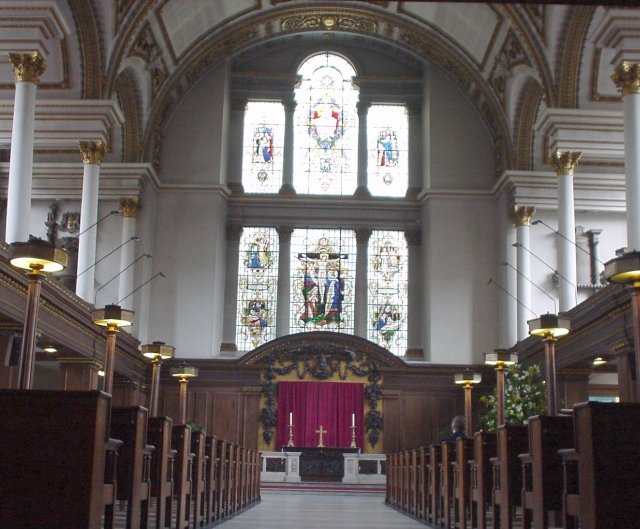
(524, 396)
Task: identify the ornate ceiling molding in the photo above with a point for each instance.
(89, 40)
(126, 88)
(524, 130)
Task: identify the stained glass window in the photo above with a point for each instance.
(263, 145)
(323, 264)
(387, 275)
(257, 287)
(326, 132)
(387, 138)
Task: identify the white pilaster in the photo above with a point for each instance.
(511, 285)
(414, 295)
(287, 160)
(522, 216)
(92, 155)
(129, 208)
(363, 188)
(414, 113)
(565, 163)
(234, 233)
(27, 67)
(284, 280)
(236, 137)
(361, 307)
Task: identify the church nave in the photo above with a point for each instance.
(317, 510)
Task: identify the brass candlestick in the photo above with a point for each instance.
(353, 437)
(290, 443)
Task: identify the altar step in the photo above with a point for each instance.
(331, 487)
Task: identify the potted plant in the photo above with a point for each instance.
(524, 396)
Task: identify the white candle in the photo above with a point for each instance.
(290, 418)
(353, 420)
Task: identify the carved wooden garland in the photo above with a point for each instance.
(321, 366)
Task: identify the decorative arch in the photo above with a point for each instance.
(89, 38)
(126, 89)
(528, 105)
(322, 355)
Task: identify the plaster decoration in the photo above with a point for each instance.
(92, 58)
(126, 89)
(146, 47)
(524, 130)
(510, 56)
(522, 215)
(337, 21)
(536, 14)
(130, 206)
(122, 10)
(565, 162)
(92, 151)
(27, 67)
(627, 78)
(599, 82)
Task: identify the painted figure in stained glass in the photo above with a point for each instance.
(387, 322)
(263, 142)
(257, 319)
(325, 123)
(387, 260)
(323, 284)
(258, 259)
(388, 152)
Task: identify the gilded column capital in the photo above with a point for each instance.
(130, 206)
(289, 104)
(27, 67)
(92, 151)
(413, 236)
(362, 235)
(522, 215)
(284, 233)
(627, 78)
(565, 162)
(363, 107)
(233, 232)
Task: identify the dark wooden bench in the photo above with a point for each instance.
(198, 486)
(181, 443)
(222, 464)
(480, 477)
(211, 479)
(423, 492)
(433, 505)
(445, 483)
(59, 439)
(542, 470)
(507, 474)
(159, 435)
(602, 471)
(461, 481)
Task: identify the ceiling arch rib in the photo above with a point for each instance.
(227, 42)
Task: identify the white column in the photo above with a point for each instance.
(284, 280)
(522, 216)
(415, 154)
(234, 232)
(414, 296)
(92, 156)
(511, 322)
(129, 208)
(287, 159)
(565, 164)
(236, 142)
(363, 189)
(627, 78)
(361, 305)
(27, 67)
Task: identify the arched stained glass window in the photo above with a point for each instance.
(257, 287)
(263, 145)
(326, 131)
(387, 138)
(323, 264)
(388, 277)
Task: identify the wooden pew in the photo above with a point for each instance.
(507, 474)
(221, 502)
(445, 482)
(198, 485)
(433, 505)
(159, 435)
(606, 454)
(129, 425)
(257, 467)
(423, 492)
(230, 461)
(181, 443)
(110, 487)
(53, 452)
(484, 449)
(542, 469)
(461, 487)
(405, 468)
(211, 486)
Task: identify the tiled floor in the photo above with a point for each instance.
(318, 510)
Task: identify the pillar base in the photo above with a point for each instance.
(414, 353)
(362, 191)
(236, 188)
(413, 192)
(228, 347)
(287, 190)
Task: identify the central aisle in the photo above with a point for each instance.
(320, 510)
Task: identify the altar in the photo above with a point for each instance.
(322, 464)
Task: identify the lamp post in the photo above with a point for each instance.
(112, 317)
(467, 379)
(158, 352)
(500, 358)
(626, 269)
(37, 257)
(550, 327)
(183, 373)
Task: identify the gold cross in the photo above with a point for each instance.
(321, 431)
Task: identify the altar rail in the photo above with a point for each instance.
(572, 471)
(358, 468)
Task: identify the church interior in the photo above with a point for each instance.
(254, 242)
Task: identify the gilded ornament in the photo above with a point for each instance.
(627, 78)
(522, 215)
(129, 207)
(27, 67)
(92, 151)
(565, 162)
